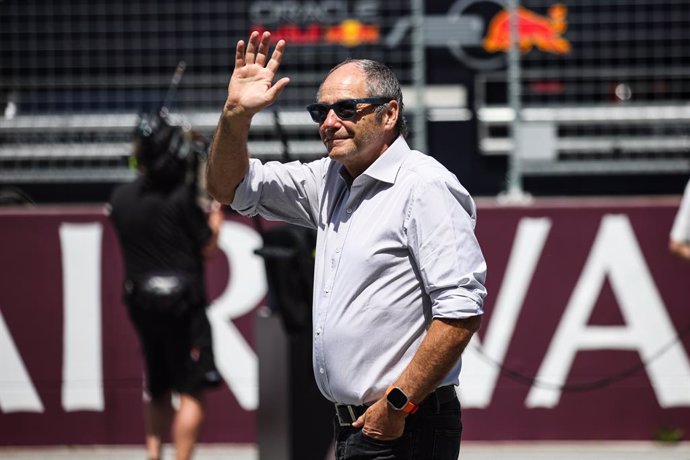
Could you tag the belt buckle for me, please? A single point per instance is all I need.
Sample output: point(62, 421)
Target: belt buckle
point(342, 409)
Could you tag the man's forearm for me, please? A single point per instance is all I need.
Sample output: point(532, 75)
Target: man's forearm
point(439, 352)
point(679, 249)
point(228, 160)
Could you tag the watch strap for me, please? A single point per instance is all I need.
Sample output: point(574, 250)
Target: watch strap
point(410, 407)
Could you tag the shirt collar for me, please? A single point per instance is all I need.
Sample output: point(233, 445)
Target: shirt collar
point(386, 167)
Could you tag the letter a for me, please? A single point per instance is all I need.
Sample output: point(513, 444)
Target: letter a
point(616, 254)
point(17, 391)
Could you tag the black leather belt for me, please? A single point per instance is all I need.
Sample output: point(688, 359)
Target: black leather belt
point(348, 413)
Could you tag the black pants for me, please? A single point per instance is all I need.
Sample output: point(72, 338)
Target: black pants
point(433, 433)
point(178, 350)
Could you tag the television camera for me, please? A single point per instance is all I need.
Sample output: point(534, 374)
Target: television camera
point(166, 147)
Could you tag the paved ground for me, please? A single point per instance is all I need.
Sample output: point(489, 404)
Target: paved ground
point(470, 451)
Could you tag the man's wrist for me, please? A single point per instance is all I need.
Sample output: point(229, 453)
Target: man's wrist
point(236, 111)
point(399, 401)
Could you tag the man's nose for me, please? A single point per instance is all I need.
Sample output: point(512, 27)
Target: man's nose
point(331, 118)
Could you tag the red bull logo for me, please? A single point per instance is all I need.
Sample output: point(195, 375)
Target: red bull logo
point(534, 30)
point(350, 33)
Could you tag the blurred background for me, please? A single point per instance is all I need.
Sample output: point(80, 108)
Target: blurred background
point(575, 143)
point(604, 83)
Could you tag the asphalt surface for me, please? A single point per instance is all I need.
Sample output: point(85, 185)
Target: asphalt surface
point(470, 451)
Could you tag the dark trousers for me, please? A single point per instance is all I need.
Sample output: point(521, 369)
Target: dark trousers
point(433, 433)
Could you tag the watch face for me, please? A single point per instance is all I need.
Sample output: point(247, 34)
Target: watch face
point(397, 398)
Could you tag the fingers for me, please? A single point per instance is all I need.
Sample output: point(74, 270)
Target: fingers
point(277, 88)
point(257, 48)
point(359, 423)
point(276, 57)
point(263, 48)
point(250, 55)
point(239, 54)
point(255, 51)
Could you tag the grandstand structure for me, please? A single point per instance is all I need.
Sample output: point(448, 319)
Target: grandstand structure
point(75, 74)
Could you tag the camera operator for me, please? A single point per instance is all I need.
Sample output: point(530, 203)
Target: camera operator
point(164, 235)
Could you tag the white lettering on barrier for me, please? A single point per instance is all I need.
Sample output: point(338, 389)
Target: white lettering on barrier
point(17, 391)
point(82, 367)
point(616, 254)
point(478, 379)
point(82, 387)
point(247, 286)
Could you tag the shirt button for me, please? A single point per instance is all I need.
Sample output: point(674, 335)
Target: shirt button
point(337, 250)
point(321, 370)
point(349, 210)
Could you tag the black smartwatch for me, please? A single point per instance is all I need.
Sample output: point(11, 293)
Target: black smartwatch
point(398, 400)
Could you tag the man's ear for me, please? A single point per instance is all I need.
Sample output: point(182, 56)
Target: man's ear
point(391, 115)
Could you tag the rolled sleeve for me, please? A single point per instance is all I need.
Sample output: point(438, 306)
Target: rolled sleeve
point(248, 191)
point(446, 250)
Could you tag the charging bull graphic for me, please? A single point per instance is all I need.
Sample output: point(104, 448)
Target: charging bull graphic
point(544, 32)
point(479, 38)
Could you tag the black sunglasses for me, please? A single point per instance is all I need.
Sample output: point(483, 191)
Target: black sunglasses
point(345, 109)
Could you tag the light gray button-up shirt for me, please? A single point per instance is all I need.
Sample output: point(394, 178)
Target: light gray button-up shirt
point(394, 250)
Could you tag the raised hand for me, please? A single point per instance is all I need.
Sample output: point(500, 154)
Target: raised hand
point(251, 86)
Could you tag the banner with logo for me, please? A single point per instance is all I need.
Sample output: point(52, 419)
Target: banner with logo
point(586, 333)
point(475, 32)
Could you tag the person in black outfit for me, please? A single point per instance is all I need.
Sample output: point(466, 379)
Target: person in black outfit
point(164, 236)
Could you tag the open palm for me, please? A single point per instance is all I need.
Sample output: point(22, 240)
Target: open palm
point(251, 86)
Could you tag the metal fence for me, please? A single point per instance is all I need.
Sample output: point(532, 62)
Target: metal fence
point(604, 84)
point(604, 88)
point(74, 74)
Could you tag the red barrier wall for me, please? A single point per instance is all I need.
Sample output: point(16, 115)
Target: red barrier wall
point(579, 291)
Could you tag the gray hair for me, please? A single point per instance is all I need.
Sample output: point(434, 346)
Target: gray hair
point(380, 82)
